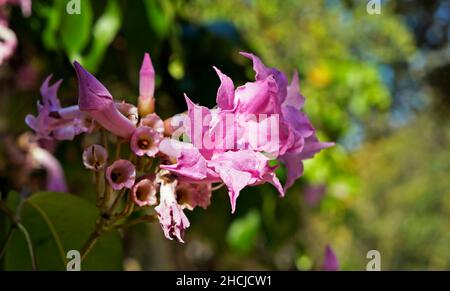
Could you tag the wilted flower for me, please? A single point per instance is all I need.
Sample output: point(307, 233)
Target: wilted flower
point(144, 192)
point(145, 141)
point(95, 157)
point(330, 261)
point(146, 101)
point(191, 195)
point(171, 216)
point(95, 99)
point(121, 174)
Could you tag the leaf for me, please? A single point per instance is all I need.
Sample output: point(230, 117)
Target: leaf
point(105, 30)
point(13, 200)
point(76, 29)
point(160, 16)
point(52, 14)
point(58, 223)
point(243, 232)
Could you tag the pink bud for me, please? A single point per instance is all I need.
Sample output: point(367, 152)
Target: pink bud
point(146, 102)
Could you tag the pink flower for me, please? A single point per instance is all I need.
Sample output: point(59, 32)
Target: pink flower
point(145, 141)
point(152, 120)
point(8, 39)
point(236, 169)
point(55, 122)
point(243, 168)
point(25, 5)
point(144, 192)
point(171, 216)
point(8, 42)
point(294, 161)
point(174, 126)
point(55, 175)
point(95, 157)
point(330, 261)
point(129, 111)
point(40, 157)
point(95, 99)
point(121, 174)
point(146, 101)
point(191, 195)
point(298, 140)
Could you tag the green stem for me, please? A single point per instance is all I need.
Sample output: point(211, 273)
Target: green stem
point(29, 244)
point(117, 201)
point(119, 148)
point(6, 242)
point(102, 226)
point(8, 212)
point(98, 187)
point(16, 224)
point(99, 229)
point(149, 164)
point(106, 196)
point(104, 137)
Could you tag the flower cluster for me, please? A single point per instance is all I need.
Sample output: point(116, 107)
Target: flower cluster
point(175, 163)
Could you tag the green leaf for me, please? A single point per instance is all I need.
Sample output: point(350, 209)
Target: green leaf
point(105, 30)
point(52, 14)
point(243, 232)
point(160, 16)
point(76, 29)
point(57, 223)
point(13, 200)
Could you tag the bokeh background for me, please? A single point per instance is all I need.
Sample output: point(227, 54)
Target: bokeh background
point(377, 84)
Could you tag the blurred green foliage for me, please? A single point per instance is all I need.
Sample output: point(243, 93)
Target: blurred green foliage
point(386, 186)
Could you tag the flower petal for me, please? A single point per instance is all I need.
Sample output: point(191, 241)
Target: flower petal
point(225, 93)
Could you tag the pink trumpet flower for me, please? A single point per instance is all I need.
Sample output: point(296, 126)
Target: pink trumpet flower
point(95, 157)
point(144, 192)
point(145, 141)
point(96, 100)
point(121, 174)
point(152, 120)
